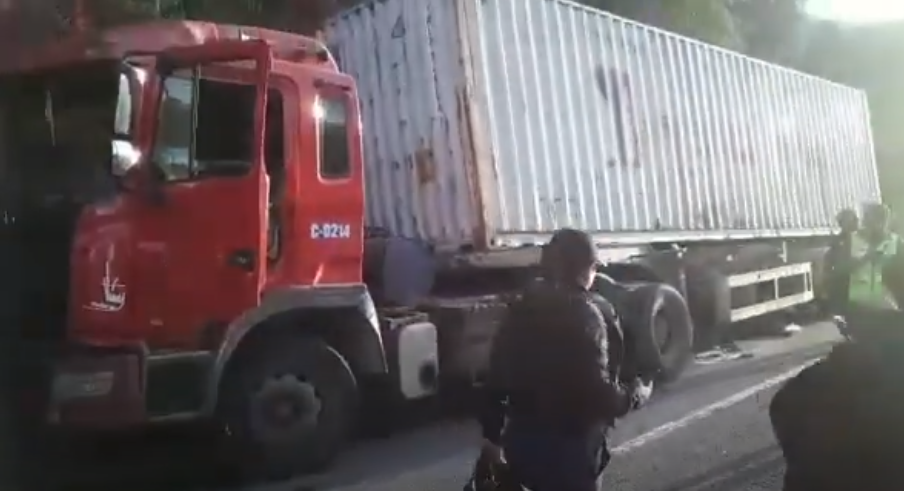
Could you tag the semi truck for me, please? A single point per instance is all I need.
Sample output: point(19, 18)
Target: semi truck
point(291, 235)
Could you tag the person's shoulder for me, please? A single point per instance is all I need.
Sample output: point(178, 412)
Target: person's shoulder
point(532, 293)
point(587, 311)
point(543, 291)
point(866, 356)
point(568, 302)
point(536, 301)
point(603, 304)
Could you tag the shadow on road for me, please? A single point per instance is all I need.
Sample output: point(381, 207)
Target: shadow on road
point(744, 367)
point(759, 470)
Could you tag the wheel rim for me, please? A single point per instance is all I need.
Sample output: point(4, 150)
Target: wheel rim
point(284, 408)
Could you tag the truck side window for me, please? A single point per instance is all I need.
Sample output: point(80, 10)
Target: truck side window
point(204, 130)
point(224, 135)
point(332, 130)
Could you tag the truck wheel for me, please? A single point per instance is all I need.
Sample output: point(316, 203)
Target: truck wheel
point(613, 291)
point(662, 329)
point(290, 407)
point(709, 300)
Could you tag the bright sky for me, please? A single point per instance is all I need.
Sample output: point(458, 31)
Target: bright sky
point(858, 11)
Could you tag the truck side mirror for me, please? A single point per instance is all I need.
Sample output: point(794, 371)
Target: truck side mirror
point(125, 155)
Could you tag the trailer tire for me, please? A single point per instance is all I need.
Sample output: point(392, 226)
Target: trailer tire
point(709, 302)
point(289, 407)
point(661, 328)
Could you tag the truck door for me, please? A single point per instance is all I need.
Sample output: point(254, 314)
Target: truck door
point(209, 181)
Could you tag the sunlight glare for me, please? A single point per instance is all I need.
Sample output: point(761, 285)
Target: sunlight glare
point(858, 11)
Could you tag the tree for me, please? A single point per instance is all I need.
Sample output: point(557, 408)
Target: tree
point(867, 57)
point(707, 20)
point(767, 29)
point(770, 29)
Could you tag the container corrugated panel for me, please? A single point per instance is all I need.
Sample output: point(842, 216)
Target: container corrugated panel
point(495, 123)
point(406, 57)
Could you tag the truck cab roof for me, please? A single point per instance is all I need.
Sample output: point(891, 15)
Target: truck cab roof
point(153, 37)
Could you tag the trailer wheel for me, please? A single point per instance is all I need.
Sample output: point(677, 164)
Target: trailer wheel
point(709, 300)
point(289, 407)
point(662, 329)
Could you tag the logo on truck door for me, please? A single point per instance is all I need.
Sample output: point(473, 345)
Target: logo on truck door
point(113, 294)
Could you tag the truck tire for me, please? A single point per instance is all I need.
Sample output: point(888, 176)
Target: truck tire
point(661, 329)
point(709, 301)
point(613, 291)
point(289, 407)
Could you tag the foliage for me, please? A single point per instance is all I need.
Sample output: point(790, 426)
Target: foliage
point(771, 29)
point(867, 57)
point(732, 23)
point(767, 29)
point(288, 15)
point(707, 20)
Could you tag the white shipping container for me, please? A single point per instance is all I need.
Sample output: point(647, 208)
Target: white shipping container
point(493, 123)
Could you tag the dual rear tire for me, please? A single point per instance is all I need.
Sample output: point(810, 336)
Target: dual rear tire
point(659, 330)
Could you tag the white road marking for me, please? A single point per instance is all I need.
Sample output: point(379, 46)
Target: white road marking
point(705, 412)
point(461, 464)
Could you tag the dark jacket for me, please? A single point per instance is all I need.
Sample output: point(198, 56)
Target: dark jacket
point(550, 364)
point(838, 275)
point(840, 422)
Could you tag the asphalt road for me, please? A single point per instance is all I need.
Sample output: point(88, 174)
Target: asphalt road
point(709, 431)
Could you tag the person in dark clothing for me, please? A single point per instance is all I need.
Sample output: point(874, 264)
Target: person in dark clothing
point(553, 386)
point(864, 276)
point(35, 241)
point(840, 422)
point(837, 279)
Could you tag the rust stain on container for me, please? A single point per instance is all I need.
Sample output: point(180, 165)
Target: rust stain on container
point(471, 171)
point(468, 121)
point(425, 165)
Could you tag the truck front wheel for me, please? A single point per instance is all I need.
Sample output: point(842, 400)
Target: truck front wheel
point(289, 406)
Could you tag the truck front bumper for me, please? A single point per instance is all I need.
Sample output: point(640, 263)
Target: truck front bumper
point(95, 391)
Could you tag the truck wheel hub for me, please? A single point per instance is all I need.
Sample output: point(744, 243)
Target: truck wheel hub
point(284, 407)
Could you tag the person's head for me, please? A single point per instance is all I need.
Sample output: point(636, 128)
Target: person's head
point(875, 218)
point(847, 220)
point(569, 258)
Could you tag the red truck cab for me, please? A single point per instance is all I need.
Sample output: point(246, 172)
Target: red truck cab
point(219, 276)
